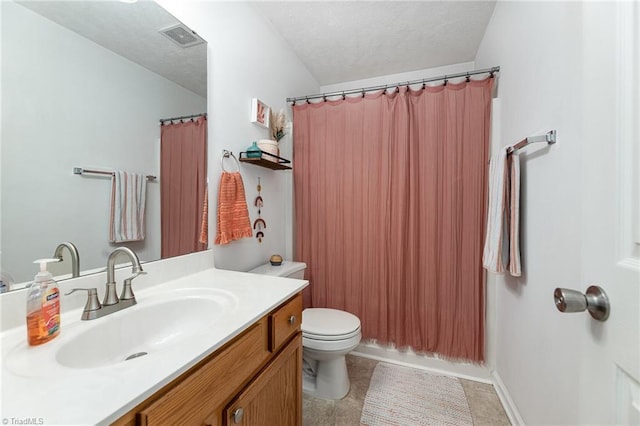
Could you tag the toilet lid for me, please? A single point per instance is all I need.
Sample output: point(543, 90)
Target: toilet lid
point(327, 324)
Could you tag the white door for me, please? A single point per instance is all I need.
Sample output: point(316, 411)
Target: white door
point(610, 357)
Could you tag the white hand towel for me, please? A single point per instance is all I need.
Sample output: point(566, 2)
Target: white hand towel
point(513, 162)
point(502, 242)
point(128, 196)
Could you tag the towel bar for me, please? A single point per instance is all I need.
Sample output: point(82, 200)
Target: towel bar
point(81, 171)
point(549, 138)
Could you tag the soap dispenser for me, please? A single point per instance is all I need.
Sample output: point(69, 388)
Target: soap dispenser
point(43, 306)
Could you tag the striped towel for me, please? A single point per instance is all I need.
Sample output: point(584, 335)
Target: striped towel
point(502, 242)
point(233, 215)
point(128, 193)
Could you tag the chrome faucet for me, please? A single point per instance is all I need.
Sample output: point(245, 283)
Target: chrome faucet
point(111, 303)
point(75, 257)
point(110, 297)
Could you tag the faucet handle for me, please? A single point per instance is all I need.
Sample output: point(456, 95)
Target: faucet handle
point(127, 291)
point(93, 304)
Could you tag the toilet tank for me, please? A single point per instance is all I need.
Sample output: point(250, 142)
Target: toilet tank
point(287, 270)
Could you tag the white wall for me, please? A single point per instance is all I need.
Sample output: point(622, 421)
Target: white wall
point(67, 102)
point(538, 47)
point(399, 77)
point(246, 60)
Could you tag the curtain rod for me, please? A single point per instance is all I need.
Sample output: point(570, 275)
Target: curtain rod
point(204, 114)
point(446, 77)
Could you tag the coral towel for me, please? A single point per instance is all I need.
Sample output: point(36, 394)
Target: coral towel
point(128, 194)
point(233, 215)
point(502, 242)
point(204, 223)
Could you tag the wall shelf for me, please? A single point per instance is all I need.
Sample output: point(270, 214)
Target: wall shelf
point(281, 163)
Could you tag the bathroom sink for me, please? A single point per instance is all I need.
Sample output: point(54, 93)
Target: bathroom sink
point(146, 328)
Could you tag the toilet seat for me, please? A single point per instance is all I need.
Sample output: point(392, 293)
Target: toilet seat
point(331, 345)
point(329, 330)
point(332, 337)
point(329, 324)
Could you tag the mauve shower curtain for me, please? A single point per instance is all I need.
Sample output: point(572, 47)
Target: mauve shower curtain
point(183, 180)
point(390, 201)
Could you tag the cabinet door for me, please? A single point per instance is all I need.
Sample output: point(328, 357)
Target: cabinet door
point(209, 386)
point(275, 395)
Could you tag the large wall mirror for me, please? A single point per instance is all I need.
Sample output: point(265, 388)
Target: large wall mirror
point(85, 84)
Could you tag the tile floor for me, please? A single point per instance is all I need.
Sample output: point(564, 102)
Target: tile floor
point(484, 404)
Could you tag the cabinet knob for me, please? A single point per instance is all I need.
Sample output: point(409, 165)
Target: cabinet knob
point(237, 415)
point(292, 319)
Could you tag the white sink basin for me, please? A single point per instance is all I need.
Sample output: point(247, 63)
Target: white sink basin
point(138, 332)
point(156, 324)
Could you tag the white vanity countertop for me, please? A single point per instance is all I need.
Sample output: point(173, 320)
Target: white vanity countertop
point(35, 386)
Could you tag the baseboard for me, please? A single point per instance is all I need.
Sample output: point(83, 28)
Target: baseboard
point(478, 373)
point(505, 398)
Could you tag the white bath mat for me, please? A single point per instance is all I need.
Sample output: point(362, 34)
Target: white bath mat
point(408, 397)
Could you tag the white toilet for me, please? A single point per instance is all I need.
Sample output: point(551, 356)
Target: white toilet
point(327, 336)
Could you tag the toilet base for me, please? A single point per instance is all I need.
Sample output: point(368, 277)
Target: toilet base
point(330, 381)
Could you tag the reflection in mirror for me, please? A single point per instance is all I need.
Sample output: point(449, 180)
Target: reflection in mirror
point(85, 84)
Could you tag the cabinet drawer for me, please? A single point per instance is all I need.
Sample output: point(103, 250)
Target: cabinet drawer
point(211, 385)
point(285, 322)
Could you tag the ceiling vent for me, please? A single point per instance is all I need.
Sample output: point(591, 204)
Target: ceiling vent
point(182, 36)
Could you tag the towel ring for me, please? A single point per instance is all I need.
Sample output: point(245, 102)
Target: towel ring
point(227, 154)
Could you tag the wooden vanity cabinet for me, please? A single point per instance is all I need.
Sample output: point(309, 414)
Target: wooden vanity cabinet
point(256, 379)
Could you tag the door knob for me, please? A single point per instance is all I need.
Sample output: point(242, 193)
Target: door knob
point(595, 301)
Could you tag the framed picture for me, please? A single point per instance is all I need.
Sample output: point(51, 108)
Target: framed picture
point(259, 113)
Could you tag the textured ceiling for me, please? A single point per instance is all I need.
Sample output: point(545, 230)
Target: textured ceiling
point(353, 40)
point(131, 31)
point(337, 41)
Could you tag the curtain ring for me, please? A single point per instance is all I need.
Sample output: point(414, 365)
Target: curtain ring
point(294, 103)
point(397, 89)
point(424, 85)
point(343, 96)
point(491, 74)
point(308, 101)
point(362, 93)
point(468, 78)
point(445, 82)
point(324, 97)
